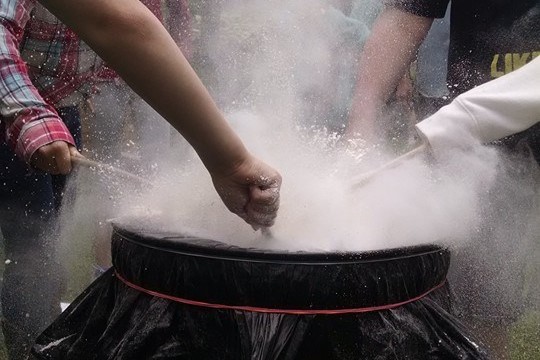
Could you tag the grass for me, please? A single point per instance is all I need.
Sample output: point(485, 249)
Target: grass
point(524, 341)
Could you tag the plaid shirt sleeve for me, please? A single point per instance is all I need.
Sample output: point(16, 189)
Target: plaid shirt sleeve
point(27, 120)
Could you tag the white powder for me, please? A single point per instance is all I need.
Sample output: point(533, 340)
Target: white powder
point(410, 204)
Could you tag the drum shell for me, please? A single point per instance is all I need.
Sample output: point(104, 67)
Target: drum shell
point(213, 272)
point(175, 296)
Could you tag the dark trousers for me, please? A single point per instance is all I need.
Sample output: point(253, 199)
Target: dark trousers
point(33, 279)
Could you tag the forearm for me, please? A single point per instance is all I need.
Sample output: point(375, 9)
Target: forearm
point(145, 55)
point(501, 107)
point(386, 56)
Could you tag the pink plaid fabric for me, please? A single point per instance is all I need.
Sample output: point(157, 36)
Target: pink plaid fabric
point(26, 117)
point(43, 62)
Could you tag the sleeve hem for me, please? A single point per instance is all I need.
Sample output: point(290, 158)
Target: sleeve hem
point(40, 133)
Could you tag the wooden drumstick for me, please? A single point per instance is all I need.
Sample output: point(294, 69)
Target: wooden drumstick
point(95, 165)
point(364, 178)
point(267, 233)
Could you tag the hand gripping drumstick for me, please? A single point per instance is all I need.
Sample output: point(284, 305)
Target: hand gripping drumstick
point(98, 166)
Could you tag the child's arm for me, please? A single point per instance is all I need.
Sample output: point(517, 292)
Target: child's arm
point(137, 46)
point(498, 108)
point(28, 121)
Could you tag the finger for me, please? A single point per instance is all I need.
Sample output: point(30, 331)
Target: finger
point(263, 206)
point(62, 156)
point(54, 158)
point(74, 152)
point(263, 210)
point(268, 182)
point(264, 200)
point(259, 220)
point(236, 201)
point(43, 159)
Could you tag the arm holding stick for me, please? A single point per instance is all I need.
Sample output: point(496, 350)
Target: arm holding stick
point(129, 37)
point(491, 111)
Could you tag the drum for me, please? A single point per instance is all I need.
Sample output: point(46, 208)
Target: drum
point(179, 296)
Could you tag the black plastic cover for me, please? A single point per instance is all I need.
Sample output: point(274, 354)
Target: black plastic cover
point(112, 320)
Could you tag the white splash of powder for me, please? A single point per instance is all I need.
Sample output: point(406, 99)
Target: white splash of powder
point(265, 73)
point(320, 211)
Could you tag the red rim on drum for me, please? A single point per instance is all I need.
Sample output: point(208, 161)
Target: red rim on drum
point(211, 272)
point(176, 296)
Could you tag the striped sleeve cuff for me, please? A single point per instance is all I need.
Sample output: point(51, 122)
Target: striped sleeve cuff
point(38, 133)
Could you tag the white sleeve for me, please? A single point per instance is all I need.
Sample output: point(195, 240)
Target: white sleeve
point(501, 107)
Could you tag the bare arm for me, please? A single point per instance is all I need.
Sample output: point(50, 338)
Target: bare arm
point(132, 40)
point(134, 43)
point(387, 54)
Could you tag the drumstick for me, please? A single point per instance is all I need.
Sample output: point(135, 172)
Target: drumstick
point(364, 178)
point(267, 233)
point(95, 165)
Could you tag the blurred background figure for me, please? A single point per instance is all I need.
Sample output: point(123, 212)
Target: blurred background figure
point(431, 90)
point(326, 87)
point(306, 49)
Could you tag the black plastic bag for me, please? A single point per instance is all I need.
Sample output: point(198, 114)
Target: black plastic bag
point(179, 297)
